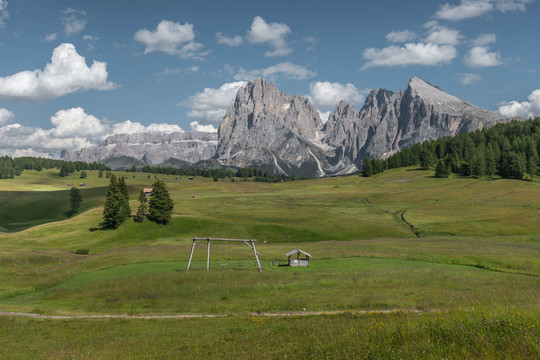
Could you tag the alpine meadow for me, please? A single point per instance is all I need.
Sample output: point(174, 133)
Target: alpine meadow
point(270, 180)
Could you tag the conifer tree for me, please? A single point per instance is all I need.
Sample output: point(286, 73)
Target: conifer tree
point(116, 209)
point(161, 204)
point(441, 171)
point(75, 200)
point(367, 167)
point(142, 211)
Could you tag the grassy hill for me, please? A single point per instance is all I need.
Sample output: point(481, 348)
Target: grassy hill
point(457, 258)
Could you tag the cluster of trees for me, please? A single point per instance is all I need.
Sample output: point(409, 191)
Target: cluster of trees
point(69, 167)
point(510, 150)
point(11, 167)
point(117, 210)
point(257, 175)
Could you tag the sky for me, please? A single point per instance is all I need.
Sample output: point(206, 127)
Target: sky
point(73, 72)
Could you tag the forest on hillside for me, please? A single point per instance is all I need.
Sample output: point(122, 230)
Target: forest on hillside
point(509, 150)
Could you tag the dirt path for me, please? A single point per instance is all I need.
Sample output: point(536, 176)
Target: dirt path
point(195, 316)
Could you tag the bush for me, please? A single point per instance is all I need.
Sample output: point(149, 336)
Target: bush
point(82, 252)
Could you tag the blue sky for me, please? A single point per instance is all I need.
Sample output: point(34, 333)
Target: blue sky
point(73, 72)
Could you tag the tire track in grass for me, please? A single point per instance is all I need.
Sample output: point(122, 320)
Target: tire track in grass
point(200, 316)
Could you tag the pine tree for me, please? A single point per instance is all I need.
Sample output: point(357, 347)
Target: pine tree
point(75, 200)
point(142, 211)
point(367, 168)
point(161, 204)
point(441, 171)
point(477, 165)
point(100, 174)
point(116, 209)
point(83, 174)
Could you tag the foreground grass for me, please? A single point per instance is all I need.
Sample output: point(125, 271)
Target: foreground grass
point(461, 335)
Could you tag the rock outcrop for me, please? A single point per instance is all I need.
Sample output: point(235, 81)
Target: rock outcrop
point(389, 122)
point(152, 148)
point(266, 128)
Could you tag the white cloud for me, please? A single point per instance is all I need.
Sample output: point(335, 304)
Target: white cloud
point(50, 37)
point(73, 129)
point(272, 33)
point(484, 39)
point(324, 115)
point(409, 54)
point(327, 94)
point(286, 69)
point(129, 127)
point(67, 73)
point(479, 56)
point(473, 8)
point(231, 41)
point(73, 122)
point(525, 109)
point(441, 35)
point(4, 14)
point(74, 21)
point(401, 36)
point(6, 116)
point(210, 105)
point(172, 38)
point(195, 126)
point(468, 78)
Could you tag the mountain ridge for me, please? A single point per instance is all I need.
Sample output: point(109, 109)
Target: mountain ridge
point(267, 128)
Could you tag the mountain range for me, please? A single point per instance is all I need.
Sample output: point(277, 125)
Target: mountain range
point(284, 134)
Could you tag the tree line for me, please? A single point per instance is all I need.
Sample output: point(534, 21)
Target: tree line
point(258, 175)
point(509, 150)
point(11, 167)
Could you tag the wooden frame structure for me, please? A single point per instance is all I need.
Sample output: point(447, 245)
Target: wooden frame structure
point(196, 241)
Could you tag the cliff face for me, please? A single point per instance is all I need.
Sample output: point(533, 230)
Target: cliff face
point(266, 128)
point(151, 148)
point(389, 122)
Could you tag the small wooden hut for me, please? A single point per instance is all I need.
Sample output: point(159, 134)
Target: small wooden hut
point(299, 261)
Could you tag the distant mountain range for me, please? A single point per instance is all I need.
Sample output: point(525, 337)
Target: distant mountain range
point(268, 129)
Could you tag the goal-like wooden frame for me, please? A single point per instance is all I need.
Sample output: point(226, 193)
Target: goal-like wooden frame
point(196, 241)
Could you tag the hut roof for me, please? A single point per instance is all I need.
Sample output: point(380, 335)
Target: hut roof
point(291, 253)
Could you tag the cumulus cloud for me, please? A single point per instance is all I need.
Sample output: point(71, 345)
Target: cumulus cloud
point(479, 56)
point(442, 35)
point(74, 21)
point(324, 115)
point(210, 105)
point(4, 14)
point(285, 69)
point(473, 8)
point(409, 54)
point(231, 41)
point(6, 116)
point(73, 122)
point(72, 129)
point(67, 73)
point(468, 78)
point(484, 39)
point(271, 33)
point(195, 126)
point(129, 127)
point(400, 36)
point(327, 94)
point(171, 38)
point(525, 109)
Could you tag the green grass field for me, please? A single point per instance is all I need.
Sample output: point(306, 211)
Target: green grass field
point(456, 261)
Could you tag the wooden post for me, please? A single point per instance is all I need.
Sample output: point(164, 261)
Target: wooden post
point(256, 256)
point(208, 258)
point(195, 242)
